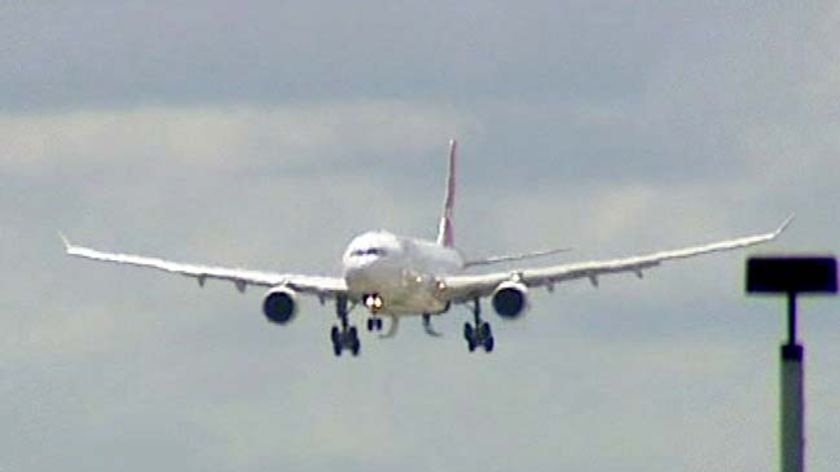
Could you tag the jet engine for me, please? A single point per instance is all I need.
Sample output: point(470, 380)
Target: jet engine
point(280, 305)
point(510, 300)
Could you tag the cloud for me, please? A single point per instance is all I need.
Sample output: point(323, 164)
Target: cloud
point(218, 141)
point(100, 54)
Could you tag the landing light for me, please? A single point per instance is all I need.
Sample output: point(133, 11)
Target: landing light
point(373, 302)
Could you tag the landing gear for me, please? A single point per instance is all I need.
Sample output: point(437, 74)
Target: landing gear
point(374, 324)
point(355, 345)
point(478, 334)
point(344, 336)
point(427, 326)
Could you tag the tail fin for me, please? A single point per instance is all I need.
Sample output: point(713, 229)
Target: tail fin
point(445, 236)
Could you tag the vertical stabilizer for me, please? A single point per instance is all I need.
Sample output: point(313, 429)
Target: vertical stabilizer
point(445, 236)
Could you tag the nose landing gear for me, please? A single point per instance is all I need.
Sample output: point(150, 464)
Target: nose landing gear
point(374, 303)
point(374, 324)
point(480, 334)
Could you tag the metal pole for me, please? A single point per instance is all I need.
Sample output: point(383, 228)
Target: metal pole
point(792, 398)
point(792, 275)
point(791, 318)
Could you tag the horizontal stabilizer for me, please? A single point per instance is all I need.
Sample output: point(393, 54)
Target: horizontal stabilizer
point(513, 257)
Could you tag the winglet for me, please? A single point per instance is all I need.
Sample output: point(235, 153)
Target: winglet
point(784, 225)
point(64, 240)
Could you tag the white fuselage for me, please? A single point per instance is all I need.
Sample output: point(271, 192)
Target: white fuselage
point(401, 271)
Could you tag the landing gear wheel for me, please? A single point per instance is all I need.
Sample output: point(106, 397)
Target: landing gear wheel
point(335, 337)
point(353, 340)
point(374, 324)
point(480, 333)
point(484, 331)
point(343, 335)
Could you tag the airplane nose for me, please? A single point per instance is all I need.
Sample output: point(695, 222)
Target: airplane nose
point(369, 276)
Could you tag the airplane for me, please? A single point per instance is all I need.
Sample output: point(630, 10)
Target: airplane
point(394, 276)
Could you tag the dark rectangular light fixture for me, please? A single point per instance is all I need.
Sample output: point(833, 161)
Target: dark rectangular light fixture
point(792, 274)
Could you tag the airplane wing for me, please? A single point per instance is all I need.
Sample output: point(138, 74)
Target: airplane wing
point(463, 288)
point(323, 287)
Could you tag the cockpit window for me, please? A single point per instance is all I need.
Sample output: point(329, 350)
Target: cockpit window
point(374, 251)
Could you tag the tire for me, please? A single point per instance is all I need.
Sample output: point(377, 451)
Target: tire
point(334, 335)
point(337, 349)
point(355, 347)
point(471, 345)
point(488, 344)
point(354, 335)
point(371, 324)
point(485, 331)
point(468, 332)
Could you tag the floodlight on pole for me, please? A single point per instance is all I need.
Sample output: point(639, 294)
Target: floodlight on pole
point(792, 275)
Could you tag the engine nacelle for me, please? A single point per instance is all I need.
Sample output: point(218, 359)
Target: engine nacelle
point(510, 300)
point(280, 305)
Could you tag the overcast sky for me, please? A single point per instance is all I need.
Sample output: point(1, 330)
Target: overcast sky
point(268, 134)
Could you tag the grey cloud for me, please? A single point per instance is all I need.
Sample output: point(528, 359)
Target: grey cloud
point(104, 54)
point(225, 141)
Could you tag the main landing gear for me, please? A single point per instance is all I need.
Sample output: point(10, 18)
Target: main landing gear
point(344, 336)
point(480, 333)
